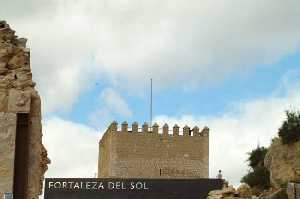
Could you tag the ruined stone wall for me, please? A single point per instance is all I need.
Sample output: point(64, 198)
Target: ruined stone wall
point(18, 95)
point(7, 151)
point(146, 153)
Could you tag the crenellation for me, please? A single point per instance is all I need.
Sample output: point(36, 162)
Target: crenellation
point(113, 126)
point(165, 130)
point(145, 127)
point(155, 128)
point(124, 127)
point(176, 130)
point(146, 152)
point(205, 132)
point(196, 131)
point(186, 131)
point(135, 127)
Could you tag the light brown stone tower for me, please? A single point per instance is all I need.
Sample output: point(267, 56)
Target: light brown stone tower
point(146, 153)
point(23, 158)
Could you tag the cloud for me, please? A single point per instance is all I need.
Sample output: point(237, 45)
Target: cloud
point(72, 148)
point(241, 129)
point(115, 102)
point(176, 42)
point(111, 105)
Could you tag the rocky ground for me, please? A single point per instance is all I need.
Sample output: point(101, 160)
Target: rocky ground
point(283, 162)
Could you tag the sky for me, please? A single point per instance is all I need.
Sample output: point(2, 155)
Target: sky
point(232, 65)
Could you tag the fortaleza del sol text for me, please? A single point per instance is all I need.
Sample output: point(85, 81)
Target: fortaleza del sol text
point(94, 185)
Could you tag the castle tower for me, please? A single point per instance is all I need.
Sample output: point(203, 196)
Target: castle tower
point(154, 152)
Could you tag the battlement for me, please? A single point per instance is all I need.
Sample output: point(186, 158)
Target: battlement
point(155, 129)
point(153, 152)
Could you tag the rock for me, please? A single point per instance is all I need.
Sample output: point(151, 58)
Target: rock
point(283, 162)
point(264, 194)
point(244, 191)
point(225, 193)
point(3, 69)
point(18, 60)
point(278, 194)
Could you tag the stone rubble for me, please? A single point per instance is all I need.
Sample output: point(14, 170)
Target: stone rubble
point(230, 192)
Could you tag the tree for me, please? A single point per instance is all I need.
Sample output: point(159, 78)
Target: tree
point(257, 156)
point(289, 132)
point(258, 176)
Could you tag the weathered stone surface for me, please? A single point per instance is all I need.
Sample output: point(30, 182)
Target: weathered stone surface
point(225, 193)
point(244, 191)
point(283, 162)
point(19, 59)
point(17, 95)
point(19, 101)
point(137, 154)
point(3, 100)
point(7, 151)
point(293, 191)
point(39, 162)
point(278, 194)
point(228, 192)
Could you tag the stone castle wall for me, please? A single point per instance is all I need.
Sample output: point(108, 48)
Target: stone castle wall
point(146, 153)
point(18, 95)
point(8, 123)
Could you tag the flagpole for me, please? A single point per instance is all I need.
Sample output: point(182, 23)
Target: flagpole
point(151, 103)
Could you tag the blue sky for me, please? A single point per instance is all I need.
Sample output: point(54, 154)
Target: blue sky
point(208, 100)
point(233, 66)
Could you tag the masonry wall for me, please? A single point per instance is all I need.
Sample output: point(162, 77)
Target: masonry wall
point(104, 160)
point(148, 154)
point(18, 95)
point(7, 148)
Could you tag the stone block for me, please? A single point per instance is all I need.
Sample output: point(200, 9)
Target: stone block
point(3, 100)
point(19, 101)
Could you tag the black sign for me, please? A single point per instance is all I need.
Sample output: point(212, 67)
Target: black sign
point(106, 188)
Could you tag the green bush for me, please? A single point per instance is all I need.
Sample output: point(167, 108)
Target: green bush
point(259, 178)
point(289, 132)
point(257, 156)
